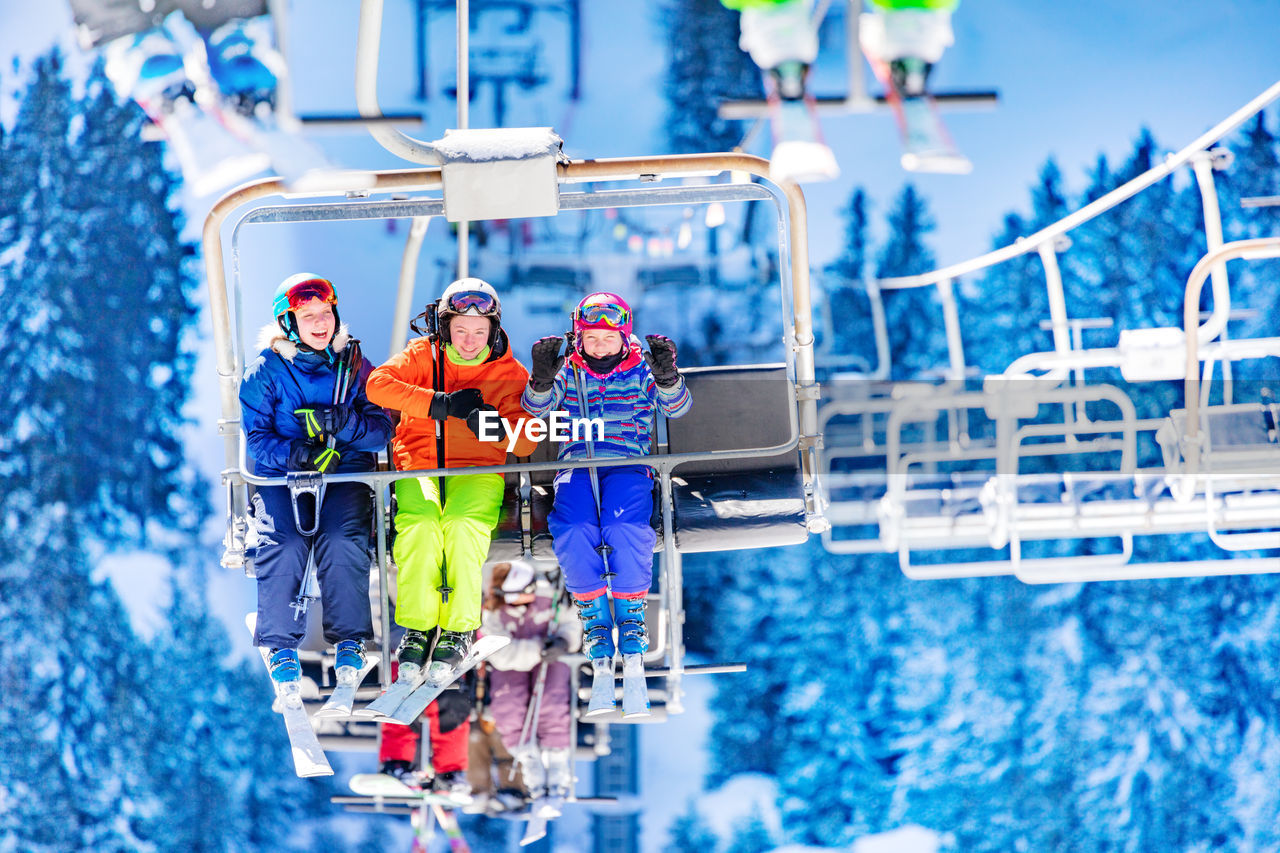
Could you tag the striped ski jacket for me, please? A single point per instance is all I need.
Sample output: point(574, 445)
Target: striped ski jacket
point(624, 400)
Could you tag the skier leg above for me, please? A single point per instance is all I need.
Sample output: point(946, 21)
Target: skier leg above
point(600, 522)
point(444, 385)
point(781, 37)
point(243, 64)
point(304, 409)
point(910, 35)
point(531, 696)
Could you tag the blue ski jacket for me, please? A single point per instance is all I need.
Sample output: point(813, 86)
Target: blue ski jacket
point(285, 377)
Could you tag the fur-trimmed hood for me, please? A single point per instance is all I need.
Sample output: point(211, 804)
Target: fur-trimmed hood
point(272, 337)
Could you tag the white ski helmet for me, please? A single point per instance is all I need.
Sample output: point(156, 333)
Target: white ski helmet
point(472, 296)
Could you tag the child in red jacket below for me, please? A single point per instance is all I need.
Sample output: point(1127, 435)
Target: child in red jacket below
point(449, 727)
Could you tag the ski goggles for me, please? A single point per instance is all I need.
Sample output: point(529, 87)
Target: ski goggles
point(472, 302)
point(315, 288)
point(604, 313)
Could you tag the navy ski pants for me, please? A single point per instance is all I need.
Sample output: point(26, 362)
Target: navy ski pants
point(341, 546)
point(626, 504)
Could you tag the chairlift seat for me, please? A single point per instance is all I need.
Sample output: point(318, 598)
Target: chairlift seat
point(737, 503)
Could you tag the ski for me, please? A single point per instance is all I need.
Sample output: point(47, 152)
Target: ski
point(603, 700)
point(449, 823)
point(308, 757)
point(418, 701)
point(534, 830)
point(926, 145)
point(635, 690)
point(343, 697)
point(394, 695)
point(381, 785)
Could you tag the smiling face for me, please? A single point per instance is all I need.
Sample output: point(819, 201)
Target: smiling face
point(600, 343)
point(469, 334)
point(315, 323)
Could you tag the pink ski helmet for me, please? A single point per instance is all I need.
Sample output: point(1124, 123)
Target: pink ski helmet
point(603, 311)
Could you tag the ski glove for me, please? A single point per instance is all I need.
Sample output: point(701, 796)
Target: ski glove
point(455, 404)
point(307, 454)
point(324, 420)
point(495, 425)
point(662, 360)
point(547, 362)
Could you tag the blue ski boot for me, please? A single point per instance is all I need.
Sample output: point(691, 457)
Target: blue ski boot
point(349, 661)
point(597, 642)
point(285, 668)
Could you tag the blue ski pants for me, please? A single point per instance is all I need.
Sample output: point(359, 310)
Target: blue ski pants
point(626, 503)
point(341, 549)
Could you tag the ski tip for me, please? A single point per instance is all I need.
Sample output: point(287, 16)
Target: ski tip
point(944, 163)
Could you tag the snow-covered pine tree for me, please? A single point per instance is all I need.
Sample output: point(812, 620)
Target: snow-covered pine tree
point(845, 279)
point(1255, 173)
point(690, 832)
point(132, 295)
point(750, 835)
point(914, 316)
point(705, 68)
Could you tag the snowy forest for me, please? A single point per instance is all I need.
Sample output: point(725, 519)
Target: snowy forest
point(1129, 716)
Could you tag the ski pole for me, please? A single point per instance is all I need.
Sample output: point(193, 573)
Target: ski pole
point(602, 549)
point(437, 369)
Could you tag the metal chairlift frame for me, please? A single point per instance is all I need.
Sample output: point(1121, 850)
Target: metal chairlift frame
point(1204, 342)
point(358, 201)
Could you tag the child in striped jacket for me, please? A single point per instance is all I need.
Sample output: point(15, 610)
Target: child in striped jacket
point(605, 515)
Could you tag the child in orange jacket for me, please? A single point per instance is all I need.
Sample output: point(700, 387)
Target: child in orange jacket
point(448, 388)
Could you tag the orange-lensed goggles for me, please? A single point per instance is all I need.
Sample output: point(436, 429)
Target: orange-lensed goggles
point(305, 291)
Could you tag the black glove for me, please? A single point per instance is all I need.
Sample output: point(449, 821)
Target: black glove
point(473, 423)
point(556, 648)
point(322, 420)
point(455, 404)
point(547, 362)
point(662, 360)
point(303, 453)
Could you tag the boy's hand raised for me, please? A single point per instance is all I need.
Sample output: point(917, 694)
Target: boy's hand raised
point(547, 362)
point(662, 360)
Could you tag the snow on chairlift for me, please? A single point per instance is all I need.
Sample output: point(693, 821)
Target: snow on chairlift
point(740, 468)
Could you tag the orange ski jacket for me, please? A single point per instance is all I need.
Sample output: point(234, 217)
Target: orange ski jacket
point(406, 383)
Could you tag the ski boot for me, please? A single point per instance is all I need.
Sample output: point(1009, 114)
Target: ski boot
point(597, 642)
point(236, 57)
point(454, 785)
point(286, 676)
point(910, 76)
point(788, 80)
point(412, 655)
point(403, 772)
point(285, 668)
point(633, 642)
point(559, 782)
point(451, 650)
point(349, 661)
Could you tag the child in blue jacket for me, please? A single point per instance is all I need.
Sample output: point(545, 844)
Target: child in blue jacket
point(623, 388)
point(288, 415)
